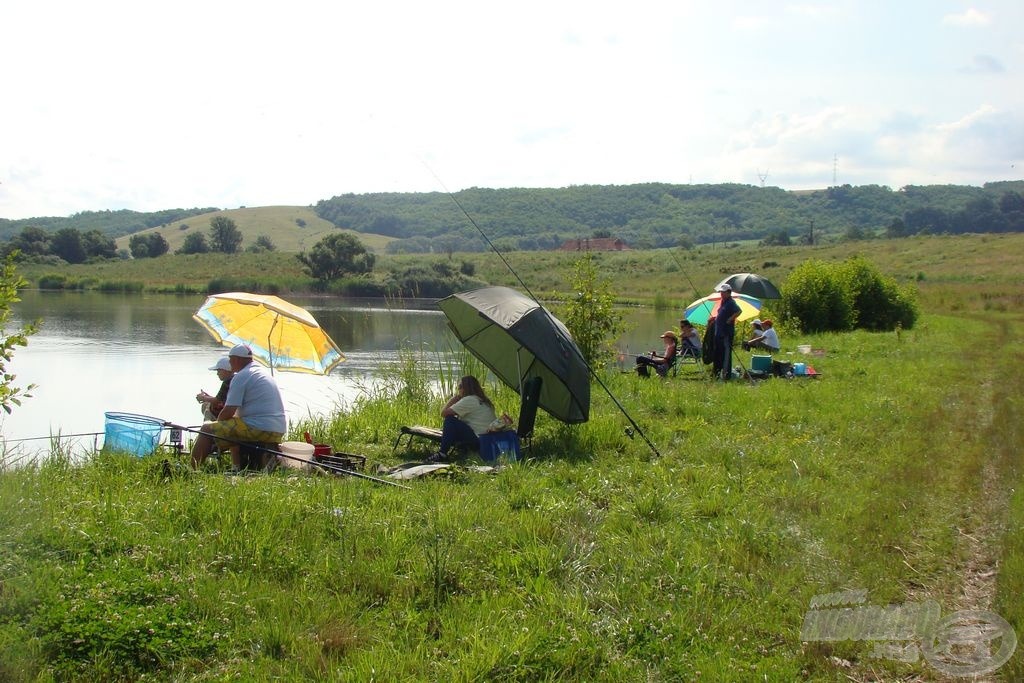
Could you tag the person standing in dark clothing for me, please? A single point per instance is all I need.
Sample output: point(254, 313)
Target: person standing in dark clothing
point(725, 332)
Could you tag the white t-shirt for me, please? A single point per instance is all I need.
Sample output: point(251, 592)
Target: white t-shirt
point(474, 412)
point(254, 392)
point(771, 339)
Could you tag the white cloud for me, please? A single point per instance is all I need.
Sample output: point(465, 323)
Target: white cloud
point(969, 17)
point(148, 107)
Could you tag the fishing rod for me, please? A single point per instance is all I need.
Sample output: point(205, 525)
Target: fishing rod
point(329, 467)
point(52, 436)
point(508, 265)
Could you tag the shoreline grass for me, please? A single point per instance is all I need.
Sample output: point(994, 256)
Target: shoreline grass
point(594, 560)
point(898, 473)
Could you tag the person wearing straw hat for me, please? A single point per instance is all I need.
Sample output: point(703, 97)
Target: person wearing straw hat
point(253, 410)
point(212, 405)
point(661, 363)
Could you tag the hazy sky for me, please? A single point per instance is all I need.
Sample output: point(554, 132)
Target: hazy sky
point(149, 106)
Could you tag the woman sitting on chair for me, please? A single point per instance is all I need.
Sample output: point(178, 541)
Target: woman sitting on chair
point(661, 363)
point(467, 414)
point(689, 343)
point(764, 337)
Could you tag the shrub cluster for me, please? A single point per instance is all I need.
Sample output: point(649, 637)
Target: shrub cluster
point(835, 297)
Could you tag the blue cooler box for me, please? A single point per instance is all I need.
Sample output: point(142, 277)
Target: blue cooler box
point(761, 363)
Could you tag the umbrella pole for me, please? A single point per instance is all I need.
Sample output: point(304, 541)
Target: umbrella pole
point(270, 346)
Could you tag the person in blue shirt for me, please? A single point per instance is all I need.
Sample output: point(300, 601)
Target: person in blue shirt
point(725, 332)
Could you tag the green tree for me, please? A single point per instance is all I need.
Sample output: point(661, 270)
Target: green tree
point(195, 243)
point(10, 282)
point(67, 244)
point(590, 314)
point(336, 255)
point(264, 243)
point(225, 236)
point(32, 241)
point(98, 245)
point(779, 238)
point(148, 245)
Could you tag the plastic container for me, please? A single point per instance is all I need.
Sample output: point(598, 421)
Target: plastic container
point(300, 454)
point(761, 363)
point(799, 368)
point(130, 433)
point(804, 348)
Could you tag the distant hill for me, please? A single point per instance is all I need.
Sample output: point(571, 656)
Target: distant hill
point(649, 215)
point(290, 228)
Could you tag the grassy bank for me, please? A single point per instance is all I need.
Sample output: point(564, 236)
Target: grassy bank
point(952, 273)
point(897, 473)
point(593, 560)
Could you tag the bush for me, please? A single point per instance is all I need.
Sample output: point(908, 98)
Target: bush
point(878, 302)
point(824, 297)
point(815, 299)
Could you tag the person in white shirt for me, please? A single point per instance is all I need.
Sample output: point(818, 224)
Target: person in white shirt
point(467, 415)
point(764, 337)
point(253, 410)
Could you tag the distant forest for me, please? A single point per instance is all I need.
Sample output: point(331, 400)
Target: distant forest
point(655, 215)
point(650, 215)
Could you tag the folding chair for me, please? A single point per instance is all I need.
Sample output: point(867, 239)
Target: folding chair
point(524, 429)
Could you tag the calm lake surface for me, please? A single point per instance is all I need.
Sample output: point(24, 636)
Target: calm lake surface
point(144, 354)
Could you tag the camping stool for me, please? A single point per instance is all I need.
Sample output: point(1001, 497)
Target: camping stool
point(258, 455)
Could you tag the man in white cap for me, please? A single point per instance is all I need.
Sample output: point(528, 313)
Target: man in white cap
point(253, 410)
point(725, 332)
point(212, 405)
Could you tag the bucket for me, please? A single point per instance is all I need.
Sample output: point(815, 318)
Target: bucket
point(799, 368)
point(135, 434)
point(297, 449)
point(804, 348)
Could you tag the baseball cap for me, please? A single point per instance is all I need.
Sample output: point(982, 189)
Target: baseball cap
point(725, 287)
point(222, 364)
point(240, 351)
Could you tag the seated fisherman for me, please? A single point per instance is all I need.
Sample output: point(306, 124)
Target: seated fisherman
point(467, 415)
point(661, 363)
point(689, 339)
point(253, 410)
point(212, 405)
point(764, 337)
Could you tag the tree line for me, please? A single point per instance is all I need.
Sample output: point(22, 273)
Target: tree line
point(69, 245)
point(645, 216)
point(658, 215)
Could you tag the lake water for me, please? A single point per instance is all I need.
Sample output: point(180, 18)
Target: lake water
point(144, 354)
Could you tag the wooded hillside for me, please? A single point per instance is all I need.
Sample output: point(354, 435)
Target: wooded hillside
point(650, 215)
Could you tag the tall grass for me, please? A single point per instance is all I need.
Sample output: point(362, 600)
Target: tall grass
point(594, 559)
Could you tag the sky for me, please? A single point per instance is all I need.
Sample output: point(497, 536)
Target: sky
point(160, 105)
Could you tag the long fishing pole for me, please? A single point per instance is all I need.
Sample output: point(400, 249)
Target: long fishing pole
point(508, 265)
point(329, 467)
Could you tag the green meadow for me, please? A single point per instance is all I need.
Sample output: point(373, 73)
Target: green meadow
point(596, 558)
